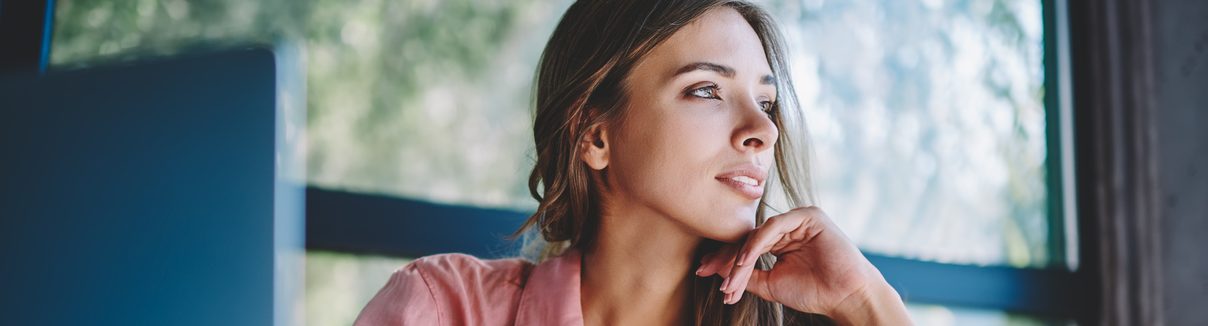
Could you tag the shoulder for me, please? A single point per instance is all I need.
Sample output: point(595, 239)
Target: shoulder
point(462, 268)
point(466, 279)
point(448, 289)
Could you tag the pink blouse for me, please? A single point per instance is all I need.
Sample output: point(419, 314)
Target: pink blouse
point(458, 289)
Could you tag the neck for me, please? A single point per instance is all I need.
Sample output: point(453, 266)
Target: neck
point(638, 271)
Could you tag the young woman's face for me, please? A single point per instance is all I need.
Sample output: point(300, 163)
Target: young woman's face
point(695, 141)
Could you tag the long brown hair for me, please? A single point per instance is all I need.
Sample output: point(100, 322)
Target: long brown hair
point(579, 85)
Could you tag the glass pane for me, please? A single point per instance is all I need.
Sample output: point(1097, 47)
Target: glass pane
point(339, 285)
point(927, 115)
point(423, 99)
point(928, 123)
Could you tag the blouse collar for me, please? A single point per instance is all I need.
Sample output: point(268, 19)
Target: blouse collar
point(551, 294)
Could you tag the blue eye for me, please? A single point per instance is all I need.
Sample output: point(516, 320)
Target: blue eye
point(709, 92)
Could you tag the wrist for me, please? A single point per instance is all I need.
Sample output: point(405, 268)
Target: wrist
point(875, 304)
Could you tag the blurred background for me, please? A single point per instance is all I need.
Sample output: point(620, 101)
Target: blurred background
point(940, 130)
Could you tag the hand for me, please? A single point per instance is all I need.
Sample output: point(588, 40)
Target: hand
point(817, 270)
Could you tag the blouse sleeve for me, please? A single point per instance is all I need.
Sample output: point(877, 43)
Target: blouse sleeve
point(406, 299)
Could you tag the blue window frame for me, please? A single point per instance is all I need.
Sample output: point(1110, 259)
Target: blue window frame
point(365, 223)
point(377, 224)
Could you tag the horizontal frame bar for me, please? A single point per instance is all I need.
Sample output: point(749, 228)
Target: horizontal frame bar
point(1049, 293)
point(392, 226)
point(384, 225)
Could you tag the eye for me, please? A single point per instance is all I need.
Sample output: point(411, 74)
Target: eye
point(707, 92)
point(768, 107)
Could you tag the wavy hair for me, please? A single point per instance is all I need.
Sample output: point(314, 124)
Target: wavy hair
point(580, 84)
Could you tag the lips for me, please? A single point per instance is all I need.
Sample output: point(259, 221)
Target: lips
point(746, 180)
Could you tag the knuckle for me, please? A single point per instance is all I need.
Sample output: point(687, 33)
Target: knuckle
point(811, 213)
point(808, 210)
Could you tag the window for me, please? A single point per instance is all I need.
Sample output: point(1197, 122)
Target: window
point(933, 121)
point(928, 120)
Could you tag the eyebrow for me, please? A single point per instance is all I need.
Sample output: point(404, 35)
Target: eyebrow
point(726, 71)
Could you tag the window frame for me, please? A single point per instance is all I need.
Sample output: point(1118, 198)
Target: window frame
point(361, 223)
point(353, 223)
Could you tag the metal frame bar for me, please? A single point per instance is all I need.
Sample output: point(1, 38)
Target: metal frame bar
point(392, 226)
point(1059, 158)
point(384, 225)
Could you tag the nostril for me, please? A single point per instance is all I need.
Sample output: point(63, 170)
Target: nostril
point(752, 142)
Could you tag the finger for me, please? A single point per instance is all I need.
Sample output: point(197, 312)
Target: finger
point(733, 270)
point(718, 262)
point(759, 242)
point(706, 268)
point(739, 283)
point(739, 280)
point(732, 283)
point(768, 234)
point(797, 227)
point(738, 271)
point(738, 275)
point(710, 267)
point(784, 242)
point(744, 281)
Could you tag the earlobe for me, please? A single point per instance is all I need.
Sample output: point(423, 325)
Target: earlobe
point(594, 148)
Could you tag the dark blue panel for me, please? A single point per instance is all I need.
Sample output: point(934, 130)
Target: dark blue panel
point(1046, 292)
point(140, 194)
point(362, 223)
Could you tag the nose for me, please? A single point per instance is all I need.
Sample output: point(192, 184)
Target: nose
point(755, 131)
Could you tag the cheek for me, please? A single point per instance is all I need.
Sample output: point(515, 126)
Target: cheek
point(668, 148)
point(670, 166)
point(659, 158)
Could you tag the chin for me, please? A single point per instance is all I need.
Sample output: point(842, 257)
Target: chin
point(732, 230)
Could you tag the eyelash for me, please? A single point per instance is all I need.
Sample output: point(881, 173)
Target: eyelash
point(696, 92)
point(765, 106)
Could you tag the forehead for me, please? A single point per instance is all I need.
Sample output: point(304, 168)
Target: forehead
point(721, 36)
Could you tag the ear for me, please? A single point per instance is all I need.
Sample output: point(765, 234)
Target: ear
point(594, 147)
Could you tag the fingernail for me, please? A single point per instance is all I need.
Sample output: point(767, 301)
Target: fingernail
point(742, 259)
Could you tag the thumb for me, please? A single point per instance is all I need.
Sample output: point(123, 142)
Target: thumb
point(758, 284)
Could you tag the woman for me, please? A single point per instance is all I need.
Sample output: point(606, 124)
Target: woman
point(657, 127)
